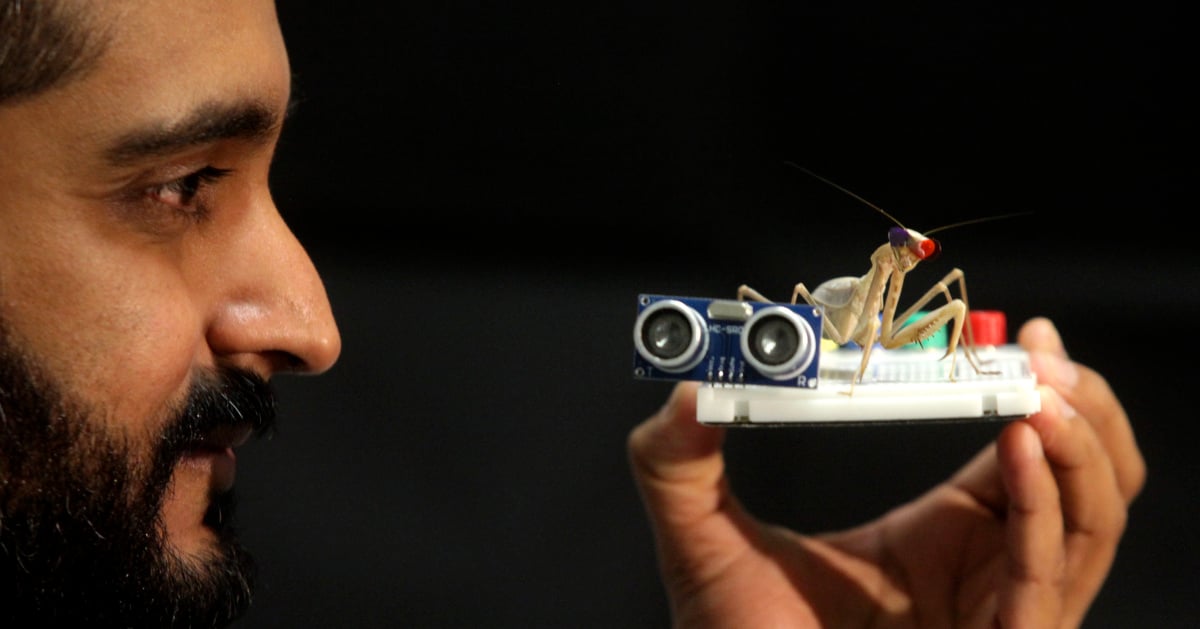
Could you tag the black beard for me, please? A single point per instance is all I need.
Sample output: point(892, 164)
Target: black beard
point(81, 536)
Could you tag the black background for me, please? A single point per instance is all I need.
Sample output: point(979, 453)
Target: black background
point(486, 188)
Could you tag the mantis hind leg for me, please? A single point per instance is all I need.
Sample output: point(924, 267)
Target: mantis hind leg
point(745, 292)
point(842, 336)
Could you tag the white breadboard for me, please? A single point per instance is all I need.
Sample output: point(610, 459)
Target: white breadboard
point(903, 385)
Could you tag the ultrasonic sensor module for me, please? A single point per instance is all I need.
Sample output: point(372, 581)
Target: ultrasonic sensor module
point(726, 342)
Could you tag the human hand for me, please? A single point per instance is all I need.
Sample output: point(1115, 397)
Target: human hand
point(1023, 535)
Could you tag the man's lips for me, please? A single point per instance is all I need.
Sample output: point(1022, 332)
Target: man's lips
point(221, 465)
point(215, 452)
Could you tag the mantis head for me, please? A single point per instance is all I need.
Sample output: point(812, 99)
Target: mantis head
point(921, 247)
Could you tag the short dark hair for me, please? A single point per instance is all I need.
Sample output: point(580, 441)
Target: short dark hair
point(44, 44)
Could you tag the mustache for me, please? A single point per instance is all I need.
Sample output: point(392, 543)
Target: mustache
point(222, 398)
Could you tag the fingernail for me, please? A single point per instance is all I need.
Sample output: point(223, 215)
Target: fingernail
point(1055, 368)
point(1066, 410)
point(1053, 331)
point(1033, 446)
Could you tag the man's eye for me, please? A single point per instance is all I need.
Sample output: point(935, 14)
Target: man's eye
point(181, 193)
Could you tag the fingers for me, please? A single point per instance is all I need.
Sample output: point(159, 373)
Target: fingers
point(1094, 510)
point(1030, 593)
point(1090, 395)
point(1039, 334)
point(677, 461)
point(1086, 392)
point(1067, 498)
point(699, 526)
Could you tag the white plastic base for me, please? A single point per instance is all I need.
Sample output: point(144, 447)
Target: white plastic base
point(902, 385)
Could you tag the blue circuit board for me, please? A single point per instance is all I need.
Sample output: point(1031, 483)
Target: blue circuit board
point(726, 341)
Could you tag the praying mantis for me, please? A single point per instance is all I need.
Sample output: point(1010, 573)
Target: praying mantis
point(852, 305)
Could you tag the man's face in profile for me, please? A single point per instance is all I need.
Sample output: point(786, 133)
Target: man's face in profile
point(149, 290)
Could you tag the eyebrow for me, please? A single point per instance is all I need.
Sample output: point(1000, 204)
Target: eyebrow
point(211, 122)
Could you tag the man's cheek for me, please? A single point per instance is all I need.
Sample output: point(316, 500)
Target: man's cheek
point(137, 362)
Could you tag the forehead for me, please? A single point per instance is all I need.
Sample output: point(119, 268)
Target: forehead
point(162, 60)
point(152, 34)
point(232, 46)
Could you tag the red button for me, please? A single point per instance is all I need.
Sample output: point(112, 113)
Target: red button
point(989, 327)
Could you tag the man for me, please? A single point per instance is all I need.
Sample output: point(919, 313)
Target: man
point(148, 290)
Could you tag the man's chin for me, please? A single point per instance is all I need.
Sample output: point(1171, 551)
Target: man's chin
point(143, 581)
point(207, 574)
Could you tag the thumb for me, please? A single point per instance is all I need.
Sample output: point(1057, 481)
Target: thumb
point(676, 460)
point(672, 436)
point(680, 472)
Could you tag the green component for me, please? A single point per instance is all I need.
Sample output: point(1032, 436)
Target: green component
point(939, 340)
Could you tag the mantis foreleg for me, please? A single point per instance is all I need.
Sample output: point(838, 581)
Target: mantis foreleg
point(921, 329)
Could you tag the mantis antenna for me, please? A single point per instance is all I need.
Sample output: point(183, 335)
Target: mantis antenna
point(893, 218)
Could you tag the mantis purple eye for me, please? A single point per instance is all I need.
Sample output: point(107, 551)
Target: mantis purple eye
point(898, 237)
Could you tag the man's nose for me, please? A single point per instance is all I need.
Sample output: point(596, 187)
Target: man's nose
point(271, 310)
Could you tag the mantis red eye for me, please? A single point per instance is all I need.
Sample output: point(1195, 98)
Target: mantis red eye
point(927, 249)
